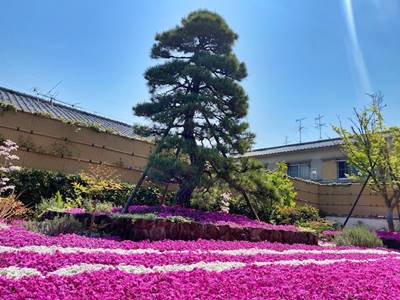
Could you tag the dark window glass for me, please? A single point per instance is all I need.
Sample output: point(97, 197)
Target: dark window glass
point(342, 169)
point(299, 170)
point(293, 170)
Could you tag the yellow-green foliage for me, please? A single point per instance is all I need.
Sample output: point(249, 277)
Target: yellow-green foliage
point(374, 148)
point(97, 179)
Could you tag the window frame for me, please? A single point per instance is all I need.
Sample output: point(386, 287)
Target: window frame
point(298, 165)
point(347, 170)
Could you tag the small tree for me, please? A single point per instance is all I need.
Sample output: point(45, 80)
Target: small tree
point(197, 106)
point(374, 149)
point(97, 179)
point(267, 190)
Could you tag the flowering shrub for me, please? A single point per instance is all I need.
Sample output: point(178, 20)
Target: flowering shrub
point(218, 218)
point(10, 207)
point(6, 165)
point(34, 266)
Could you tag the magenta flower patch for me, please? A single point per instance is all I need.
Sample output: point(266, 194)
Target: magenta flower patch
point(204, 217)
point(33, 266)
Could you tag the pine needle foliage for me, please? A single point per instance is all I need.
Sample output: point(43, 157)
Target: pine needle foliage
point(197, 106)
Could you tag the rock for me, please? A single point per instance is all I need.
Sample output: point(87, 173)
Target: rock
point(160, 229)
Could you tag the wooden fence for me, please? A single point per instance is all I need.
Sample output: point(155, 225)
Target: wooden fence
point(337, 199)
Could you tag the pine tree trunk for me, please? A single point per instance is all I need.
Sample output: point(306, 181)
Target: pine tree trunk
point(398, 212)
point(183, 196)
point(389, 218)
point(164, 194)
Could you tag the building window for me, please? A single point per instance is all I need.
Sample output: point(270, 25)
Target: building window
point(299, 170)
point(343, 169)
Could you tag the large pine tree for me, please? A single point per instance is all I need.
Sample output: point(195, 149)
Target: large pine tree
point(197, 105)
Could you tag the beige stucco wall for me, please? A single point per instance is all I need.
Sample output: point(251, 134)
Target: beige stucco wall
point(53, 145)
point(337, 199)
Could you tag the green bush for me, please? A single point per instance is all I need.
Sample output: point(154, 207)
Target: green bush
point(267, 190)
point(54, 203)
point(358, 236)
point(33, 185)
point(56, 226)
point(318, 225)
point(104, 207)
point(296, 215)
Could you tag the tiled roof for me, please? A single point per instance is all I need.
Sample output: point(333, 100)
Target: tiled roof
point(295, 147)
point(33, 104)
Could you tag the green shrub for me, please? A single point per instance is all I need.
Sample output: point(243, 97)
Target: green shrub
point(56, 226)
point(104, 207)
point(318, 225)
point(33, 185)
point(358, 236)
point(296, 215)
point(54, 203)
point(267, 190)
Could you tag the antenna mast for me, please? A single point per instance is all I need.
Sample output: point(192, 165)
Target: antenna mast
point(300, 128)
point(319, 125)
point(286, 140)
point(51, 94)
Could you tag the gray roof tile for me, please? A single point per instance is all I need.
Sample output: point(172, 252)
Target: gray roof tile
point(294, 147)
point(33, 104)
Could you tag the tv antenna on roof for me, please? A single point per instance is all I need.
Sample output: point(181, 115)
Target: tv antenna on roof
point(54, 94)
point(319, 124)
point(300, 128)
point(50, 95)
point(286, 140)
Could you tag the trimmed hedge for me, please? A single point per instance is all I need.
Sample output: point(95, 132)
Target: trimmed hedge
point(32, 185)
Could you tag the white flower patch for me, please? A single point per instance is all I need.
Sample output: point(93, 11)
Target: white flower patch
point(76, 269)
point(134, 269)
point(16, 272)
point(3, 226)
point(216, 266)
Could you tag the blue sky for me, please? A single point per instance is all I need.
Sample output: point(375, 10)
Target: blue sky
point(304, 58)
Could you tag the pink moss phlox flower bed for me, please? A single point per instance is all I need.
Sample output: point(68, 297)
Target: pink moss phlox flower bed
point(389, 235)
point(205, 217)
point(34, 266)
